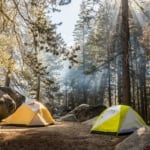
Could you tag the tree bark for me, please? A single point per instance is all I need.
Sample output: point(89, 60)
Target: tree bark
point(38, 88)
point(125, 50)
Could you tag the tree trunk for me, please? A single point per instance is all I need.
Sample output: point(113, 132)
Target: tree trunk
point(125, 50)
point(143, 88)
point(38, 88)
point(109, 85)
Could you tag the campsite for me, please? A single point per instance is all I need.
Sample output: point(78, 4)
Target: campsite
point(27, 130)
point(69, 136)
point(74, 74)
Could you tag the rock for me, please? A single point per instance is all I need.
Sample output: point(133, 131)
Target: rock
point(80, 108)
point(85, 112)
point(96, 110)
point(89, 122)
point(68, 117)
point(16, 96)
point(10, 100)
point(139, 140)
point(7, 106)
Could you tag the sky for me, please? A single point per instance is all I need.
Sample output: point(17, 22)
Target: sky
point(68, 16)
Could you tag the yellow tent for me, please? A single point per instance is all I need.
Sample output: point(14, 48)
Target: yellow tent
point(31, 114)
point(118, 119)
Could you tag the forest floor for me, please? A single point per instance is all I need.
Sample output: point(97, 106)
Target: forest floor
point(61, 136)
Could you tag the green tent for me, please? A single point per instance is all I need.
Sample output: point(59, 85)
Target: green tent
point(118, 119)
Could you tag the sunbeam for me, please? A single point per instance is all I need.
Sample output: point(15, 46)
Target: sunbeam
point(140, 11)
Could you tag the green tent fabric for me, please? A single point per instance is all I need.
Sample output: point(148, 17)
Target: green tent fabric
point(118, 119)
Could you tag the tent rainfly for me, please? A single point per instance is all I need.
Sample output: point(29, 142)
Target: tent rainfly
point(30, 114)
point(118, 119)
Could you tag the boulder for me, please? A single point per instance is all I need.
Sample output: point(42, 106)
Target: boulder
point(16, 96)
point(7, 106)
point(139, 140)
point(10, 100)
point(85, 112)
point(68, 117)
point(89, 122)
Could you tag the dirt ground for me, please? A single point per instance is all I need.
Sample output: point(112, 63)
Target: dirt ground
point(61, 136)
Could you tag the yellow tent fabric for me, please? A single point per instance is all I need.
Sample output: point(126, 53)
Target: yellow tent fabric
point(118, 119)
point(31, 114)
